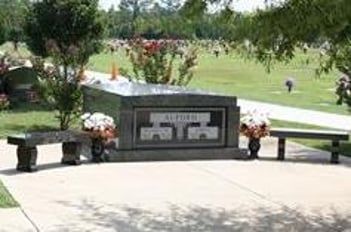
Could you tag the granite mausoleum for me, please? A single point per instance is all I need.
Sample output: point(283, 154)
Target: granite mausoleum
point(158, 122)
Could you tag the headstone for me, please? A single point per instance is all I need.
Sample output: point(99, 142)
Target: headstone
point(159, 122)
point(289, 83)
point(20, 82)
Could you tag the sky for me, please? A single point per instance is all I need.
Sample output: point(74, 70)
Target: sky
point(239, 5)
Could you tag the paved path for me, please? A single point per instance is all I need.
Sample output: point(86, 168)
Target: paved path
point(304, 193)
point(14, 219)
point(334, 121)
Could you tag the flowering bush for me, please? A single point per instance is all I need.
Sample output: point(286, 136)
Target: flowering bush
point(4, 102)
point(254, 125)
point(153, 61)
point(99, 125)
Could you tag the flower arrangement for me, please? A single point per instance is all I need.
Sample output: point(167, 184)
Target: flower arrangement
point(99, 125)
point(255, 125)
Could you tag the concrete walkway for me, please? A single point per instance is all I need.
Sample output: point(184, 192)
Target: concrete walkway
point(334, 121)
point(303, 193)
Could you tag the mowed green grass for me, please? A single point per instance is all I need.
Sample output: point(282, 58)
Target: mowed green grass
point(6, 200)
point(234, 75)
point(247, 79)
point(26, 117)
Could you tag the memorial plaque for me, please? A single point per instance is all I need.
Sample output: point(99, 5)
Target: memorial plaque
point(179, 127)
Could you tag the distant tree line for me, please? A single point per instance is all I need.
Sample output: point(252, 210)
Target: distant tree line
point(271, 34)
point(170, 19)
point(12, 19)
point(139, 18)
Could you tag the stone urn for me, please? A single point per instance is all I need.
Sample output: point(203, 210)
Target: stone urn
point(254, 147)
point(97, 149)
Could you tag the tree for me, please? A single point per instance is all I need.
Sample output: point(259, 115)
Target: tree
point(12, 19)
point(67, 22)
point(170, 19)
point(131, 10)
point(279, 29)
point(69, 31)
point(2, 33)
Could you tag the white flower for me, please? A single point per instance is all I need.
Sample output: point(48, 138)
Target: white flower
point(97, 121)
point(88, 125)
point(85, 116)
point(255, 119)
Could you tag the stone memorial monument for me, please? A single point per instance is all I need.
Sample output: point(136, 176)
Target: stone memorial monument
point(160, 122)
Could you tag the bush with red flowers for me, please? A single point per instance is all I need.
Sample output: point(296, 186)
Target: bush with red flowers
point(153, 62)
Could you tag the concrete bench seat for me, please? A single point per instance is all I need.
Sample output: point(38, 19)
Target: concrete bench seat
point(27, 147)
point(334, 136)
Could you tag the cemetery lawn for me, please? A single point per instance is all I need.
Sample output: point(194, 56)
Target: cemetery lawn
point(231, 75)
point(247, 79)
point(6, 200)
point(25, 118)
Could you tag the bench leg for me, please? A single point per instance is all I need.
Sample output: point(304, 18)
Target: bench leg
point(27, 159)
point(334, 159)
point(281, 148)
point(71, 153)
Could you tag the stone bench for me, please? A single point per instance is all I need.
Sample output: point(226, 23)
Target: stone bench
point(334, 136)
point(27, 147)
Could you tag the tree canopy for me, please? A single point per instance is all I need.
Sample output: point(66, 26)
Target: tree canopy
point(12, 19)
point(69, 31)
point(69, 24)
point(277, 31)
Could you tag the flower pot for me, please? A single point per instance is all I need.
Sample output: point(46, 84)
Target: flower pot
point(254, 147)
point(97, 150)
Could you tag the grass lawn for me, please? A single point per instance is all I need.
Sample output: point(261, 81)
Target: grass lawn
point(246, 79)
point(233, 75)
point(6, 200)
point(26, 117)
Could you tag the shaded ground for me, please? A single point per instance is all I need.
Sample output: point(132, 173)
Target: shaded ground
point(304, 193)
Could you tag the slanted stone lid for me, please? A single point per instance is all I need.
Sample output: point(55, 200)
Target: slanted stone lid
point(127, 88)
